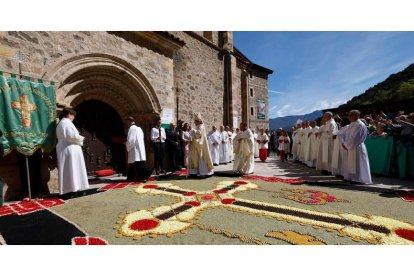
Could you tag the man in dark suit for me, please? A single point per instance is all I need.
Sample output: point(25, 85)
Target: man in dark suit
point(173, 147)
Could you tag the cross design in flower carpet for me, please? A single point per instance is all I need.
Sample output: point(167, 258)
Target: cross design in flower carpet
point(170, 219)
point(313, 197)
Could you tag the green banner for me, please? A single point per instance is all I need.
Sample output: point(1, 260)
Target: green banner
point(27, 115)
point(380, 153)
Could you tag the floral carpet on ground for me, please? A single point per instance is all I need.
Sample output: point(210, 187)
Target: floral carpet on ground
point(218, 210)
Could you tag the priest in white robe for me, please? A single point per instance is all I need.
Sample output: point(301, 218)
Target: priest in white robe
point(135, 147)
point(306, 144)
point(244, 151)
point(328, 132)
point(71, 164)
point(314, 143)
point(358, 163)
point(296, 139)
point(231, 138)
point(339, 168)
point(224, 146)
point(199, 159)
point(215, 141)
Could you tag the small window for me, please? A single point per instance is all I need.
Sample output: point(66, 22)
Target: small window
point(252, 111)
point(208, 35)
point(251, 75)
point(251, 92)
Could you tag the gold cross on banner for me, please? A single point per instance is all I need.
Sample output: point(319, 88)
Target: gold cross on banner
point(26, 109)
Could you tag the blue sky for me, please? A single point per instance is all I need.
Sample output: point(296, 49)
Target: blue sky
point(318, 70)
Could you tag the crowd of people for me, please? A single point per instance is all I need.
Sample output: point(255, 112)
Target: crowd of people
point(335, 147)
point(182, 145)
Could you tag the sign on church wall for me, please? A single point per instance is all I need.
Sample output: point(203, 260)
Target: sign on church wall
point(261, 109)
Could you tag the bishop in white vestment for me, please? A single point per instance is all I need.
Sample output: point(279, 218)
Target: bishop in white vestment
point(71, 164)
point(243, 150)
point(199, 159)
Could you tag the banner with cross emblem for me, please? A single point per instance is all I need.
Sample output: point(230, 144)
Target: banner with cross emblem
point(27, 115)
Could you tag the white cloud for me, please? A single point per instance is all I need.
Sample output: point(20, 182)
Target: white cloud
point(273, 108)
point(277, 92)
point(283, 111)
point(325, 104)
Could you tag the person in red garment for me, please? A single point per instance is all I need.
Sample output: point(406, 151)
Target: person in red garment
point(284, 146)
point(263, 141)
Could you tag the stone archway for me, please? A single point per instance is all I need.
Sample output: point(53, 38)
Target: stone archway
point(112, 81)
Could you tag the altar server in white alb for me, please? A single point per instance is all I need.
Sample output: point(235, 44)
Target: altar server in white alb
point(71, 164)
point(256, 144)
point(224, 146)
point(215, 141)
point(136, 151)
point(354, 137)
point(199, 159)
point(263, 142)
point(243, 150)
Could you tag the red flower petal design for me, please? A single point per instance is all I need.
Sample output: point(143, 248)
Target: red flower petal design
point(88, 241)
point(97, 241)
point(220, 191)
point(189, 194)
point(193, 203)
point(144, 224)
point(405, 234)
point(239, 182)
point(228, 200)
point(79, 241)
point(150, 186)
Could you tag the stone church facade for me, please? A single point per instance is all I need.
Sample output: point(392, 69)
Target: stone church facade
point(141, 74)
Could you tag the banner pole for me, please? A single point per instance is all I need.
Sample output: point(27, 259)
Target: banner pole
point(25, 156)
point(28, 177)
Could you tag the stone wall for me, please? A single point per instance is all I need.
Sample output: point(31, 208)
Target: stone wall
point(199, 73)
point(260, 88)
point(42, 52)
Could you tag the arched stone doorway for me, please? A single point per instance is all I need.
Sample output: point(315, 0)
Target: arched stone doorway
point(104, 134)
point(95, 82)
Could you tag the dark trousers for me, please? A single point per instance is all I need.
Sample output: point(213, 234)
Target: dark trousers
point(35, 171)
point(175, 156)
point(138, 171)
point(159, 151)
